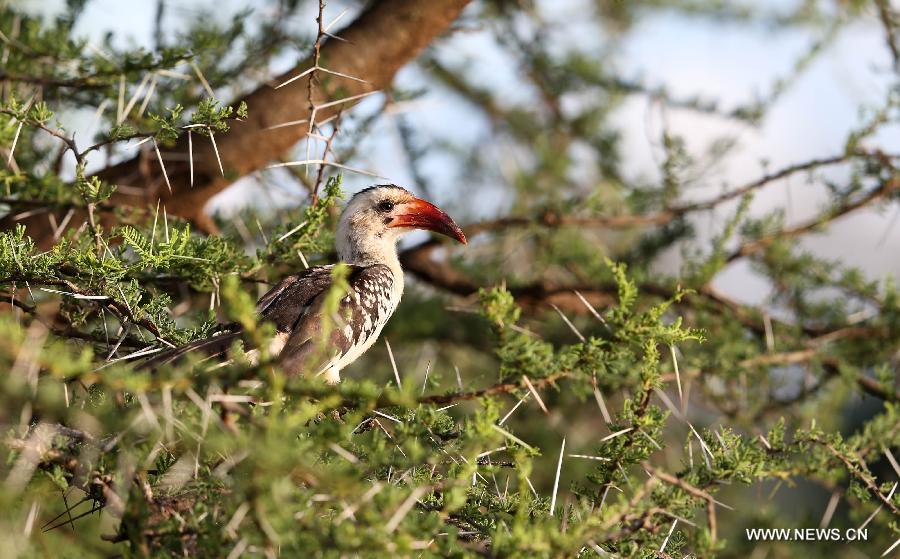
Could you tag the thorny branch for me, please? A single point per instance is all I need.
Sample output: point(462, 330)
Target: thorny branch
point(555, 219)
point(118, 308)
point(862, 476)
point(883, 191)
point(688, 488)
point(501, 388)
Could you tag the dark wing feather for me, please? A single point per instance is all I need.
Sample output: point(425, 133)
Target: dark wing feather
point(283, 305)
point(306, 284)
point(288, 301)
point(311, 347)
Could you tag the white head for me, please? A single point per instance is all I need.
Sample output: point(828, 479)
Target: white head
point(376, 218)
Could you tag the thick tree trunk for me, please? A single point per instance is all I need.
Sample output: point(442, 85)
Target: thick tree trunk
point(376, 45)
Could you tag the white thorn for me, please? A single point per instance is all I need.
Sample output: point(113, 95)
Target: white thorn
point(393, 364)
point(669, 535)
point(535, 393)
point(562, 451)
point(677, 374)
point(191, 157)
point(162, 165)
point(510, 412)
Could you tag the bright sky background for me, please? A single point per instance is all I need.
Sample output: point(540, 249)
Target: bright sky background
point(733, 63)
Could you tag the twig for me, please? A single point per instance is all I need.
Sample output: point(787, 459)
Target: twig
point(853, 470)
point(500, 388)
point(688, 488)
point(887, 21)
point(751, 247)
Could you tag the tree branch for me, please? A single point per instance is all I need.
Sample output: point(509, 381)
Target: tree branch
point(887, 21)
point(553, 219)
point(752, 247)
point(862, 476)
point(375, 46)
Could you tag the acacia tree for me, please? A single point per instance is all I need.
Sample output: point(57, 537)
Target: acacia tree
point(542, 397)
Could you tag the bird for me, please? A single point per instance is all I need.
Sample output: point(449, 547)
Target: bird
point(309, 339)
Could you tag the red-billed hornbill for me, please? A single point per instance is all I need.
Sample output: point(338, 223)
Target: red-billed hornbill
point(307, 339)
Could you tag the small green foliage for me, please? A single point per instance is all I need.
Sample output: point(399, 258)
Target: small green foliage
point(92, 189)
point(39, 112)
point(289, 241)
point(167, 127)
point(214, 118)
point(241, 307)
point(242, 111)
point(499, 307)
point(121, 131)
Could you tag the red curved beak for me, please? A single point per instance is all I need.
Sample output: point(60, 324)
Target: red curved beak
point(420, 214)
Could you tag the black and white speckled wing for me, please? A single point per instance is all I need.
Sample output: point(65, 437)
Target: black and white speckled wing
point(284, 305)
point(306, 340)
point(317, 342)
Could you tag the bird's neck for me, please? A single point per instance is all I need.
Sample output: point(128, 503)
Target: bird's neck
point(371, 251)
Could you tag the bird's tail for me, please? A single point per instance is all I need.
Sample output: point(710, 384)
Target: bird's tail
point(212, 347)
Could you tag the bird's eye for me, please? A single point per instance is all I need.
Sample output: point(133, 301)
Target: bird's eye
point(385, 206)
